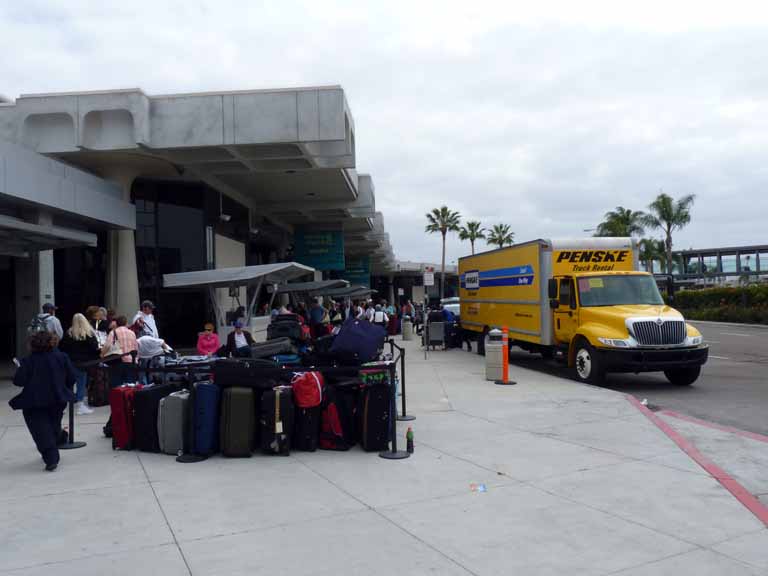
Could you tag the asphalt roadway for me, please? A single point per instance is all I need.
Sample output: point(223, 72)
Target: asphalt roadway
point(732, 388)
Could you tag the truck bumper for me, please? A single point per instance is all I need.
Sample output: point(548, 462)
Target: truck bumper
point(653, 359)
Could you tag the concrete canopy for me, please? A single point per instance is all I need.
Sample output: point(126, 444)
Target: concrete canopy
point(287, 154)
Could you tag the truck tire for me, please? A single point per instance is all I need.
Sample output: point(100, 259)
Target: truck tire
point(587, 364)
point(683, 376)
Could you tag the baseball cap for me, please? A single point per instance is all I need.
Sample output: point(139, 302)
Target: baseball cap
point(48, 307)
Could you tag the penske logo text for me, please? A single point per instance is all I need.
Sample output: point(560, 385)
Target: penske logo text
point(593, 260)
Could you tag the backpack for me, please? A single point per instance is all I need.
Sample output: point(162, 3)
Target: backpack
point(307, 389)
point(38, 324)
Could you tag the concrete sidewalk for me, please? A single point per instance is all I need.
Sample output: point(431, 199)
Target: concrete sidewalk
point(577, 480)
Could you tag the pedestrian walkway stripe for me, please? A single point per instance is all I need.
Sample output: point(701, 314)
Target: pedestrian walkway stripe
point(726, 480)
point(708, 424)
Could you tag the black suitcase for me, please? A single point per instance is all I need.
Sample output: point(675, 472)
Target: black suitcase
point(338, 426)
point(245, 372)
point(277, 420)
point(306, 429)
point(285, 329)
point(238, 422)
point(373, 417)
point(273, 348)
point(146, 403)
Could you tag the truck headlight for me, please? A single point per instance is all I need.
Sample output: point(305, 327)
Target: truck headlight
point(694, 340)
point(616, 342)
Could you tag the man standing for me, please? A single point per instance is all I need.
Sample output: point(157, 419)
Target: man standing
point(47, 322)
point(147, 317)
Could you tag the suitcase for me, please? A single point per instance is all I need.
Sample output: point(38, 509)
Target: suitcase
point(373, 416)
point(358, 341)
point(146, 403)
point(292, 330)
point(337, 417)
point(173, 423)
point(287, 360)
point(238, 416)
point(273, 347)
point(277, 420)
point(98, 386)
point(121, 406)
point(306, 429)
point(205, 418)
point(245, 373)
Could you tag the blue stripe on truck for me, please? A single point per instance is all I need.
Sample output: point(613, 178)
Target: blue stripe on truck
point(513, 281)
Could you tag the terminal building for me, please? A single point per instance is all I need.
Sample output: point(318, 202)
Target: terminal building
point(102, 193)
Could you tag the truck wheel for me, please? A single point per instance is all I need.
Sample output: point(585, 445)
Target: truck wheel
point(587, 364)
point(683, 376)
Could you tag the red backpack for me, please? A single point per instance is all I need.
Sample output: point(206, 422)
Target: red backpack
point(308, 389)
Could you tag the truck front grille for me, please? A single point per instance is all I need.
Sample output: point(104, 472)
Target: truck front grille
point(651, 333)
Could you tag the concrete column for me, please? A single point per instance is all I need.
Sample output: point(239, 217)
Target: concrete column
point(28, 302)
point(122, 290)
point(391, 282)
point(44, 264)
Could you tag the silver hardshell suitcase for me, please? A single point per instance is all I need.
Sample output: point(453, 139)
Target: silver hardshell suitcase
point(172, 423)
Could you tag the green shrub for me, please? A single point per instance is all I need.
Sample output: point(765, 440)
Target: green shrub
point(743, 297)
point(737, 314)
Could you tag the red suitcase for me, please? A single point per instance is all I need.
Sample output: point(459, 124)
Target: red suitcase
point(121, 404)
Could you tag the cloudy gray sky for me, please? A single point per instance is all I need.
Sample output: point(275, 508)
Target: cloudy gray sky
point(541, 117)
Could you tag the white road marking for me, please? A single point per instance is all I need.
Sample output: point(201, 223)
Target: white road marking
point(735, 334)
point(719, 357)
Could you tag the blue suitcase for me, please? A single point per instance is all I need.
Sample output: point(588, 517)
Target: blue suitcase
point(287, 359)
point(205, 419)
point(358, 342)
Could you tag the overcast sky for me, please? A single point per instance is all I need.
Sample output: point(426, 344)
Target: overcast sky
point(540, 117)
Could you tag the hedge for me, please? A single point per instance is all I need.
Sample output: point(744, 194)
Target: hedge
point(743, 304)
point(747, 297)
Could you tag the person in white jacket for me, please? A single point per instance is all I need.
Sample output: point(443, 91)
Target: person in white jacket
point(147, 316)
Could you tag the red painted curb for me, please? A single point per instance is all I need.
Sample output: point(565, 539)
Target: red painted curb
point(726, 480)
point(708, 424)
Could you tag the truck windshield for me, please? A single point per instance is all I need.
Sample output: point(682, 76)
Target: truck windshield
point(617, 290)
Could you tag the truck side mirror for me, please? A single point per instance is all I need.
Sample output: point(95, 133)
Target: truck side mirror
point(554, 304)
point(552, 288)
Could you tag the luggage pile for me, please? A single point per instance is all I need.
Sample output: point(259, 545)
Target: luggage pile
point(269, 403)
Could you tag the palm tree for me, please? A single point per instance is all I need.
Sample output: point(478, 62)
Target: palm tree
point(442, 220)
point(501, 234)
point(622, 222)
point(472, 231)
point(651, 250)
point(669, 214)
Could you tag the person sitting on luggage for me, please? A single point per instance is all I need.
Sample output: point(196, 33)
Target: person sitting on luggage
point(149, 347)
point(380, 317)
point(46, 377)
point(239, 341)
point(208, 341)
point(81, 345)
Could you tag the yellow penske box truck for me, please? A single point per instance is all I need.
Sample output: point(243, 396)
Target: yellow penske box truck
point(584, 297)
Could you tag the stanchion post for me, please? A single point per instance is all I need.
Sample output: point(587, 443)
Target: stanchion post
point(404, 417)
point(71, 444)
point(505, 381)
point(393, 453)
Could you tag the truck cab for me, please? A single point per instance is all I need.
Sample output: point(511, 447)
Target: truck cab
point(618, 322)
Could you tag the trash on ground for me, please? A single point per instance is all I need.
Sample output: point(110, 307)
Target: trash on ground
point(475, 487)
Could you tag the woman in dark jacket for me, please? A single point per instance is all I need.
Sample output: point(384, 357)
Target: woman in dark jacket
point(81, 345)
point(46, 377)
